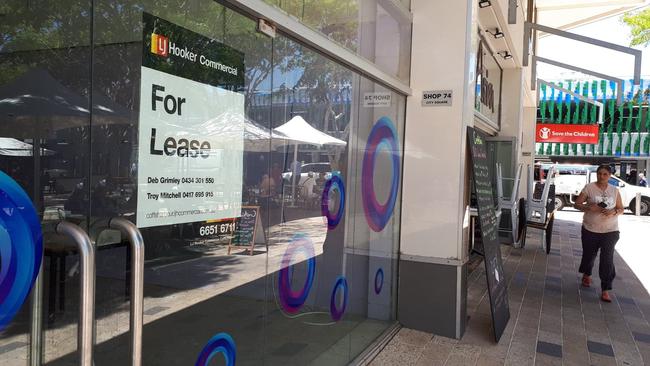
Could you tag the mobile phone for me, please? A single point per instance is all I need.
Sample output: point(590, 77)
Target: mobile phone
point(602, 204)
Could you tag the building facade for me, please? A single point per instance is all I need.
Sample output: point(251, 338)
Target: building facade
point(298, 172)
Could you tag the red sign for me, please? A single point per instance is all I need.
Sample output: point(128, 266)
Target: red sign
point(571, 134)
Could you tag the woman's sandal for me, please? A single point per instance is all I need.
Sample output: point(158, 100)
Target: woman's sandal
point(605, 297)
point(586, 281)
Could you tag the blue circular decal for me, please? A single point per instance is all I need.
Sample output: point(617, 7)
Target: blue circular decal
point(291, 300)
point(335, 311)
point(220, 343)
point(377, 214)
point(379, 280)
point(334, 183)
point(21, 248)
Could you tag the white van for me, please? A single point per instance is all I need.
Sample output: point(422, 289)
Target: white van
point(571, 178)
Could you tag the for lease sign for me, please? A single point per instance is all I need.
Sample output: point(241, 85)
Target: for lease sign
point(570, 134)
point(191, 127)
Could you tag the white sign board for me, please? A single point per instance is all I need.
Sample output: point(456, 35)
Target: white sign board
point(190, 161)
point(377, 99)
point(436, 98)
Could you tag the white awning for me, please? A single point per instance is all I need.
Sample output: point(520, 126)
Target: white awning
point(12, 147)
point(567, 14)
point(299, 130)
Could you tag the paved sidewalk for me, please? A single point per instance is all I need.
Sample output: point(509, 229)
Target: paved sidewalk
point(553, 321)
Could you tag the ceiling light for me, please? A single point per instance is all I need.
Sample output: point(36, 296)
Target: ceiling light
point(505, 54)
point(496, 34)
point(484, 3)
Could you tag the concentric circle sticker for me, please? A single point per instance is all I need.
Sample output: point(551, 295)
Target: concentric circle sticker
point(221, 343)
point(335, 183)
point(21, 248)
point(383, 134)
point(336, 311)
point(290, 300)
point(379, 280)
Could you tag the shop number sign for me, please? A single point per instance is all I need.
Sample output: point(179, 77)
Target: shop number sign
point(435, 98)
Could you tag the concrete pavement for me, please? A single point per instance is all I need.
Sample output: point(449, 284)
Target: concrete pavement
point(553, 321)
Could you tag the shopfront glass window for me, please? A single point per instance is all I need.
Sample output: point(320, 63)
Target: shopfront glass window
point(342, 246)
point(265, 180)
point(45, 89)
point(377, 30)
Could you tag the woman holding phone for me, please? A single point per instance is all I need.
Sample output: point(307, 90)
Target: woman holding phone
point(601, 204)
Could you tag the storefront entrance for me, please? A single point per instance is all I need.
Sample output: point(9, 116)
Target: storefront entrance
point(259, 246)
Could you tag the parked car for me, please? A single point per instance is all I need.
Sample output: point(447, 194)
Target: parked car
point(571, 178)
point(305, 169)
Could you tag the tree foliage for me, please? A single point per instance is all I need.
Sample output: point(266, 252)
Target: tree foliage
point(639, 23)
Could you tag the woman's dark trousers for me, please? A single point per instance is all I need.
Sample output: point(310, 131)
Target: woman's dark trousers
point(605, 242)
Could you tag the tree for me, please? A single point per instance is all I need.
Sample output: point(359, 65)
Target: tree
point(639, 23)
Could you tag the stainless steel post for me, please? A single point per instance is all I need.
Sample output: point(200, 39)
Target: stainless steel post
point(85, 333)
point(36, 327)
point(637, 202)
point(137, 284)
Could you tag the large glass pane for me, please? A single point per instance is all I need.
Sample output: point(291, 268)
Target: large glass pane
point(44, 143)
point(186, 202)
point(375, 205)
point(324, 305)
point(377, 30)
point(280, 243)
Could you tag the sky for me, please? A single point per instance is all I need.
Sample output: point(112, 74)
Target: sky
point(592, 57)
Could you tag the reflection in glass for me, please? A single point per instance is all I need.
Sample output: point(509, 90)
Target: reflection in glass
point(71, 139)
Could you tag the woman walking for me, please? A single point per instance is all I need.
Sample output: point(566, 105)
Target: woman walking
point(601, 203)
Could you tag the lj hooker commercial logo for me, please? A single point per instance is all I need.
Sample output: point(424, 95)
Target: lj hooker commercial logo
point(159, 45)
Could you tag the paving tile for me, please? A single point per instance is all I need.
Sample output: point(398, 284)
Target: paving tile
point(460, 360)
point(600, 348)
point(490, 361)
point(398, 354)
point(155, 310)
point(520, 355)
point(549, 349)
point(641, 337)
point(575, 352)
point(627, 353)
point(435, 352)
point(11, 346)
point(625, 300)
point(546, 360)
point(413, 337)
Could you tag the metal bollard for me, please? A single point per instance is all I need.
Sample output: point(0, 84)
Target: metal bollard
point(637, 202)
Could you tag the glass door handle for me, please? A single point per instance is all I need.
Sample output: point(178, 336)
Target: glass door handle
point(128, 229)
point(85, 333)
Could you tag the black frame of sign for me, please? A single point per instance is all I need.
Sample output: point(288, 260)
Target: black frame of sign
point(496, 283)
point(482, 44)
point(232, 243)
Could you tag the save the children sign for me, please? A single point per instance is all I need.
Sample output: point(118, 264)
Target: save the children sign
point(570, 134)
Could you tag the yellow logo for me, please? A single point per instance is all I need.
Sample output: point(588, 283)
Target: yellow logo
point(159, 45)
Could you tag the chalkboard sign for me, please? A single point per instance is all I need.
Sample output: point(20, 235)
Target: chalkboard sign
point(248, 229)
point(497, 289)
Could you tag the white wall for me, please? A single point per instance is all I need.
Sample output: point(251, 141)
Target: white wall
point(443, 57)
point(511, 103)
point(528, 144)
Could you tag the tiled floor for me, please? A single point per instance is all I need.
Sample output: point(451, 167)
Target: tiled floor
point(553, 321)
